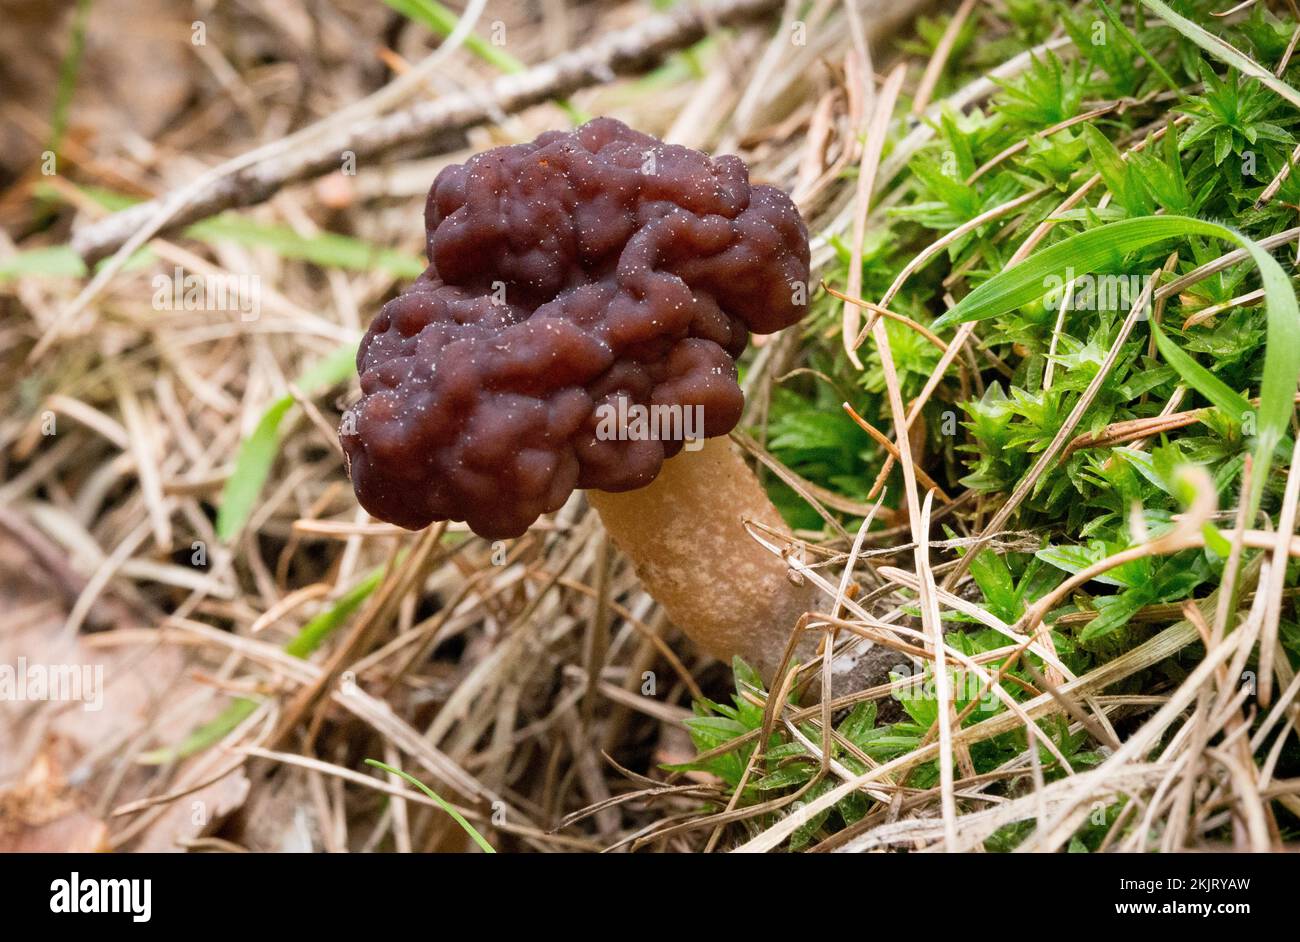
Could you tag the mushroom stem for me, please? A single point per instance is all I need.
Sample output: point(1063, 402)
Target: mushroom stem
point(685, 534)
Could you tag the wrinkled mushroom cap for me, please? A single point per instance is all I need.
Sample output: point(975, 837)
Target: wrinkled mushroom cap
point(565, 275)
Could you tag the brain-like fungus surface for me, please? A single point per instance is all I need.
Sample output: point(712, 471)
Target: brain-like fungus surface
point(577, 285)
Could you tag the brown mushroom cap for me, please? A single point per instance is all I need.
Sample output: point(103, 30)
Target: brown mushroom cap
point(565, 275)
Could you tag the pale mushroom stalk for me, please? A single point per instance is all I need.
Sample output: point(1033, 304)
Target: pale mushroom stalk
point(685, 535)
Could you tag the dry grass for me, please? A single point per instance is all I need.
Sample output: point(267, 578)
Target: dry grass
point(509, 678)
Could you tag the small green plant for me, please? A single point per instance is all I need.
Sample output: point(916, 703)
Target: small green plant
point(1176, 151)
point(726, 736)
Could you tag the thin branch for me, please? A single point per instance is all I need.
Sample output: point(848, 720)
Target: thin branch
point(436, 124)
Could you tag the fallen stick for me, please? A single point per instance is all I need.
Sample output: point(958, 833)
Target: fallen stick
point(438, 123)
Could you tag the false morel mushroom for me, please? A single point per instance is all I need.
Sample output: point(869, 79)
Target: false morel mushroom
point(577, 284)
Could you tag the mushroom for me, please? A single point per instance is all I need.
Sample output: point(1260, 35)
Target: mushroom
point(586, 299)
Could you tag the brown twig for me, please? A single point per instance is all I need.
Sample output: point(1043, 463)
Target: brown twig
point(437, 125)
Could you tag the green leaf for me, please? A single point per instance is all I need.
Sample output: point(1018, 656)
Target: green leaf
point(1216, 541)
point(1201, 379)
point(456, 815)
point(916, 695)
point(1141, 50)
point(257, 453)
point(326, 249)
point(990, 572)
point(441, 20)
point(804, 834)
point(69, 71)
point(859, 726)
point(1075, 559)
point(787, 776)
point(1120, 178)
point(55, 261)
point(1084, 252)
point(313, 634)
point(745, 676)
point(207, 735)
point(1113, 612)
point(1222, 145)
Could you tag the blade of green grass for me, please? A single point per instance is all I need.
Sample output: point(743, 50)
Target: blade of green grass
point(1199, 378)
point(1133, 41)
point(59, 261)
point(206, 736)
point(326, 249)
point(1029, 281)
point(435, 16)
point(441, 20)
point(108, 198)
point(257, 453)
point(1223, 51)
point(69, 70)
point(55, 261)
point(456, 815)
point(1085, 252)
point(313, 634)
